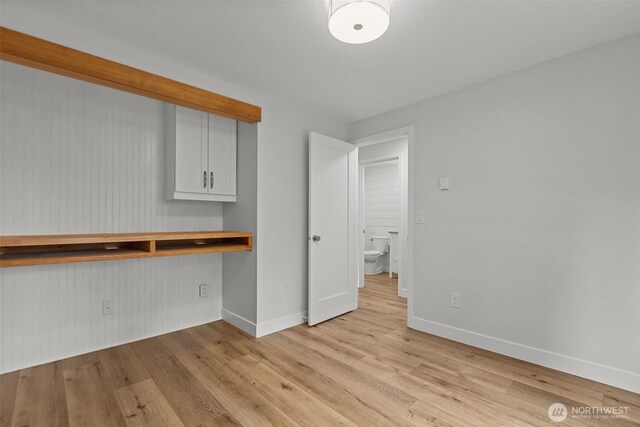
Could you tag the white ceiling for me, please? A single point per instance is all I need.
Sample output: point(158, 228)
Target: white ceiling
point(284, 49)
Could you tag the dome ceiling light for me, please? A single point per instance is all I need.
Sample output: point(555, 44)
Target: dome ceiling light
point(358, 21)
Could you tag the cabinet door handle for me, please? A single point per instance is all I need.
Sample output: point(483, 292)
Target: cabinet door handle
point(212, 180)
point(204, 180)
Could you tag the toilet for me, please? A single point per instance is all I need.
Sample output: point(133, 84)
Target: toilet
point(373, 257)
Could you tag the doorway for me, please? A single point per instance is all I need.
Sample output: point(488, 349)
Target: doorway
point(380, 147)
point(336, 252)
point(382, 210)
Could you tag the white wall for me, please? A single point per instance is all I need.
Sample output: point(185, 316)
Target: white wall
point(540, 232)
point(382, 202)
point(389, 149)
point(281, 236)
point(79, 158)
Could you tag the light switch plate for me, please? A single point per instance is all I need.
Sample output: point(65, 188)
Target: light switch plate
point(419, 217)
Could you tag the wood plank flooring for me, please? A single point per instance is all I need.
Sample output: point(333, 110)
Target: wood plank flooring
point(364, 368)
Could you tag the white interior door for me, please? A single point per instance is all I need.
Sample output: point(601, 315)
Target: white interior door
point(333, 237)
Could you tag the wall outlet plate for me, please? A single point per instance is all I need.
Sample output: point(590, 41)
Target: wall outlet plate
point(456, 301)
point(107, 307)
point(444, 183)
point(203, 290)
point(279, 293)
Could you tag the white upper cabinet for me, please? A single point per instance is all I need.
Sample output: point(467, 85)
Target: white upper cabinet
point(200, 156)
point(222, 155)
point(191, 148)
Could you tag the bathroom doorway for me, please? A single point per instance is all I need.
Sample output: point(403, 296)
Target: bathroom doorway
point(383, 211)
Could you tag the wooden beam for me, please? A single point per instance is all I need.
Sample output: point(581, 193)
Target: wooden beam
point(37, 53)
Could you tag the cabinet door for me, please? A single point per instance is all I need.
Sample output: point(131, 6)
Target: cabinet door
point(222, 155)
point(192, 174)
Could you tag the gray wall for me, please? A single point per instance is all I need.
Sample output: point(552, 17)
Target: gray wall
point(283, 187)
point(540, 232)
point(240, 268)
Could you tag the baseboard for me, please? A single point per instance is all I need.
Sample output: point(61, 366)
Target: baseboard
point(239, 322)
point(582, 368)
point(286, 322)
point(264, 328)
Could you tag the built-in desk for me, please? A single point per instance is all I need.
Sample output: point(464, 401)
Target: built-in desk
point(61, 249)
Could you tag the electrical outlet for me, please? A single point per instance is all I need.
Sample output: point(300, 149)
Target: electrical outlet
point(107, 307)
point(204, 290)
point(456, 301)
point(444, 183)
point(280, 294)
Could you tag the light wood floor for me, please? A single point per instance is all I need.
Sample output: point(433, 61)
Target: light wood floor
point(364, 368)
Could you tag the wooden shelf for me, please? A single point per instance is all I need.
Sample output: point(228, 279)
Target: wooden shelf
point(67, 248)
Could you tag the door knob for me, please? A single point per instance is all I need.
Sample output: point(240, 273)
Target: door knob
point(315, 238)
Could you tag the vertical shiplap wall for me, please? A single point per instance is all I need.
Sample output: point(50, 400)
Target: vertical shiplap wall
point(79, 158)
point(382, 199)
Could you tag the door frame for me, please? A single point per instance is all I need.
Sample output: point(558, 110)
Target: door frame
point(408, 254)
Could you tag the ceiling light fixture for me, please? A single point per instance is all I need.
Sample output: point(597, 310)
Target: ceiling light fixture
point(358, 21)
